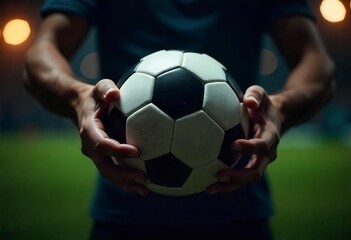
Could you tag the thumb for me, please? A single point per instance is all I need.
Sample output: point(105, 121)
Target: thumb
point(254, 96)
point(106, 90)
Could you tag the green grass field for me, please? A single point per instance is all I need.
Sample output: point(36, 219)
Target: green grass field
point(46, 185)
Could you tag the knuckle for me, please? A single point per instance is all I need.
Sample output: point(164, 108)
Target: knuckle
point(83, 131)
point(86, 147)
point(256, 89)
point(276, 138)
point(107, 82)
point(104, 81)
point(274, 155)
point(84, 150)
point(104, 84)
point(98, 145)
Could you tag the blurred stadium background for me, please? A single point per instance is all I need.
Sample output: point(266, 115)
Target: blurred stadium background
point(46, 184)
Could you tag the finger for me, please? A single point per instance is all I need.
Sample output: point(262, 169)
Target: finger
point(106, 90)
point(129, 179)
point(95, 140)
point(250, 146)
point(252, 171)
point(252, 162)
point(129, 175)
point(254, 96)
point(230, 180)
point(259, 145)
point(235, 179)
point(107, 167)
point(111, 147)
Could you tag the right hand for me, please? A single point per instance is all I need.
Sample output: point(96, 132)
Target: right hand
point(98, 146)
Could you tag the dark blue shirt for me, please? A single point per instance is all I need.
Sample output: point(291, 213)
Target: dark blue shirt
point(231, 32)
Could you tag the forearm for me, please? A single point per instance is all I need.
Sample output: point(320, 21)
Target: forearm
point(50, 79)
point(308, 88)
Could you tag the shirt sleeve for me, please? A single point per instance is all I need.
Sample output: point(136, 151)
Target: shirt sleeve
point(82, 8)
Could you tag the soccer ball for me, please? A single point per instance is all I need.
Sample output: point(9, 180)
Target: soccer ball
point(182, 110)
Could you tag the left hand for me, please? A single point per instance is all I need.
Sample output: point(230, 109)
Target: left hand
point(266, 123)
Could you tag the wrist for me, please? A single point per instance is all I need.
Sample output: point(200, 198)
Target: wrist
point(278, 102)
point(82, 92)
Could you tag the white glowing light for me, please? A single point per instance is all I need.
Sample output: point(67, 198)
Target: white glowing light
point(333, 10)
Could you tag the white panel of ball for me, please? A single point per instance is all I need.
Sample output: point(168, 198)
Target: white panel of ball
point(135, 92)
point(204, 66)
point(197, 139)
point(225, 112)
point(159, 62)
point(150, 130)
point(201, 178)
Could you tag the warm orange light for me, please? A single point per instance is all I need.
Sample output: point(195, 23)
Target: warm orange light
point(16, 32)
point(333, 10)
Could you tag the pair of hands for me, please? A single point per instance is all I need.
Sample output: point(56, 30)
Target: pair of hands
point(96, 144)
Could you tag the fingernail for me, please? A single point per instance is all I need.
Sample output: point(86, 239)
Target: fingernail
point(252, 98)
point(108, 91)
point(224, 179)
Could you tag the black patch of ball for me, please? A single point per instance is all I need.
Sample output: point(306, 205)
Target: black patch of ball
point(126, 75)
point(167, 171)
point(226, 155)
point(178, 93)
point(235, 86)
point(115, 125)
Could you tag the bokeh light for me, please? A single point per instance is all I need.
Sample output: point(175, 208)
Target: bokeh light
point(89, 66)
point(333, 10)
point(269, 62)
point(16, 31)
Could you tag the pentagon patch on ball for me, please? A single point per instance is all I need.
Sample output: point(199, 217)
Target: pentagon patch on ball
point(182, 110)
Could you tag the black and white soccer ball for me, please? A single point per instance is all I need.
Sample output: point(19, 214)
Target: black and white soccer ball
point(182, 110)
